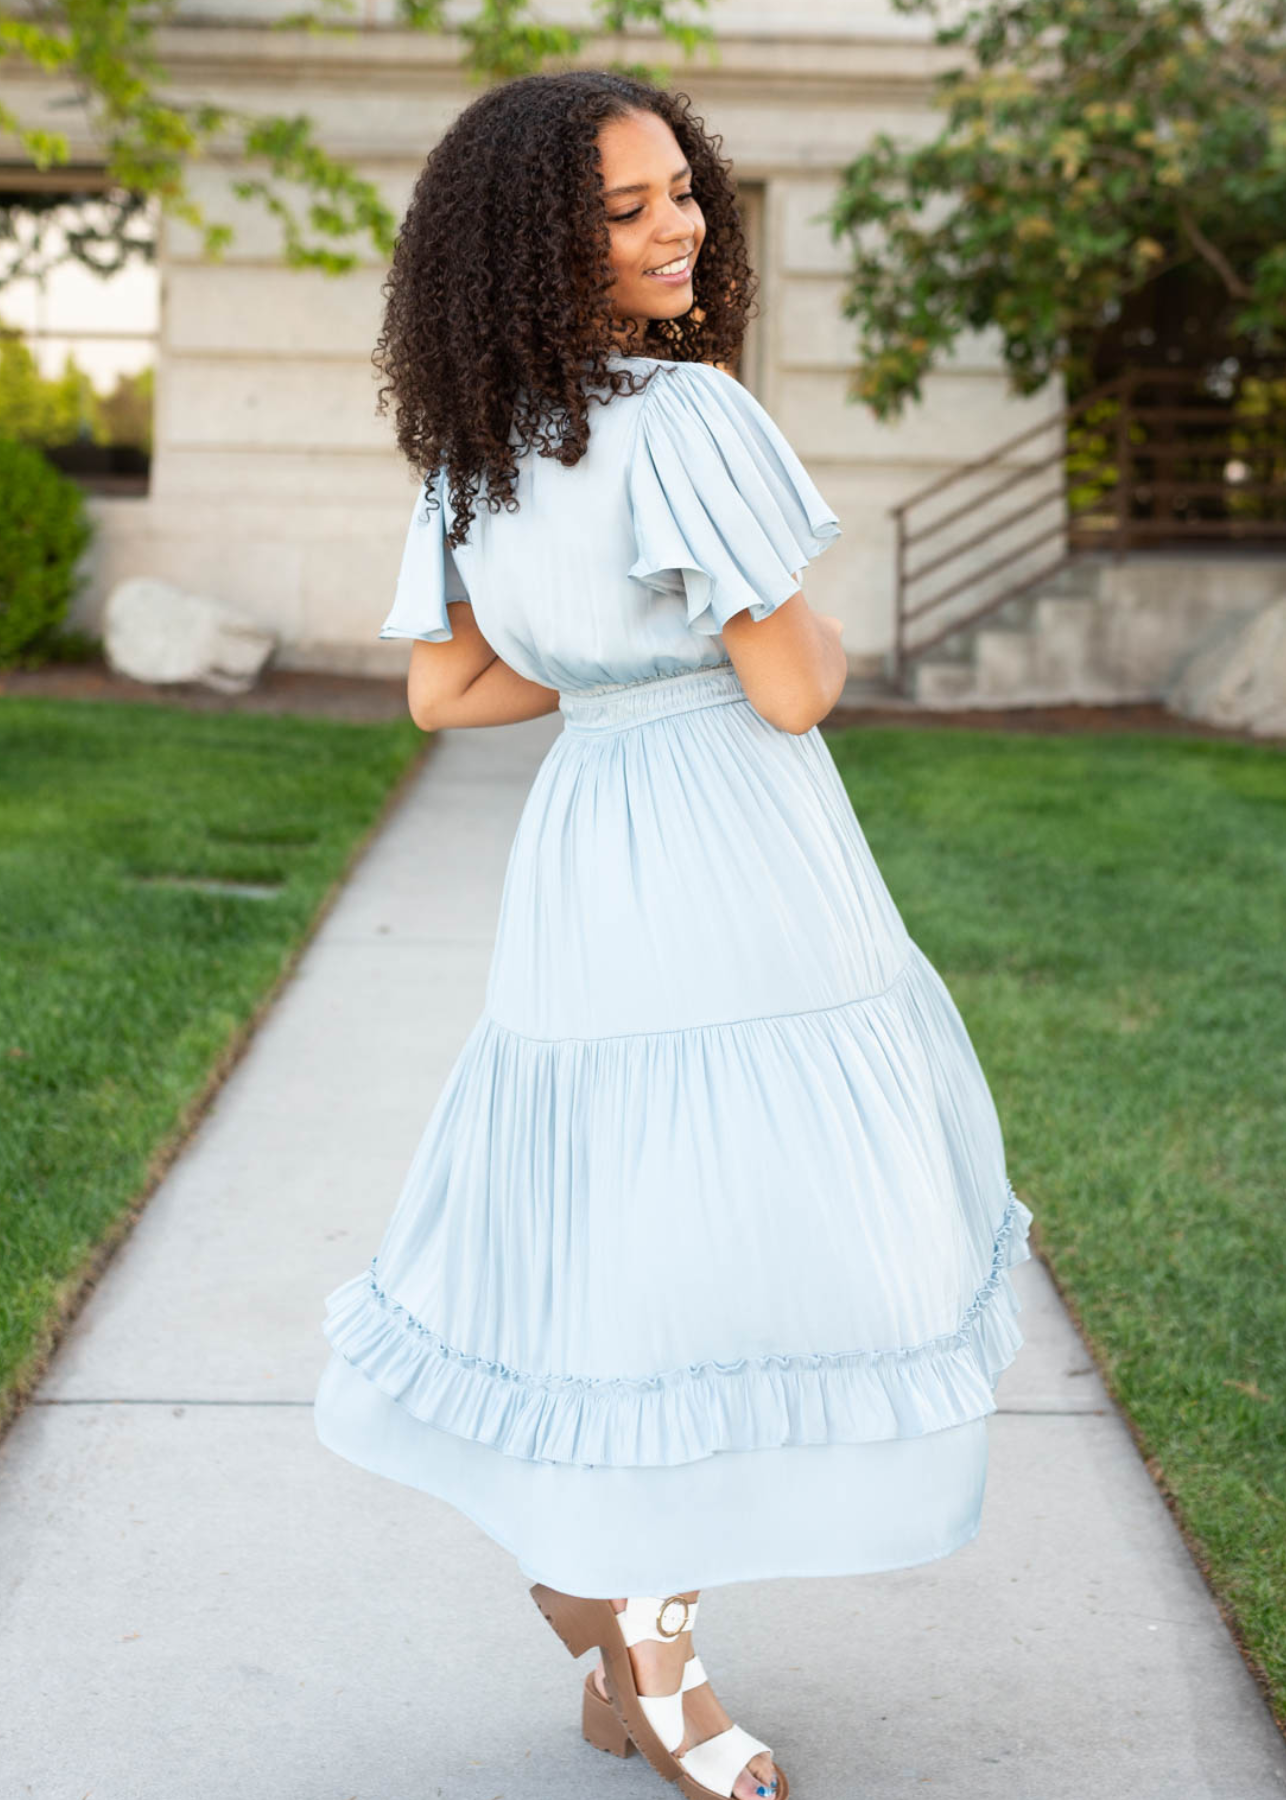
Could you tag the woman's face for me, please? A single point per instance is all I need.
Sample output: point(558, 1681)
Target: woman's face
point(653, 220)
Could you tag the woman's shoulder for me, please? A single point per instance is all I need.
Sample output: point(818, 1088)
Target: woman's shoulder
point(679, 395)
point(681, 372)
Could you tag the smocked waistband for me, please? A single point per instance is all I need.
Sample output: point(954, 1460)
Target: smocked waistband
point(617, 705)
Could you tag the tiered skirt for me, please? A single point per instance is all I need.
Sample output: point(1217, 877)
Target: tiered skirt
point(700, 1272)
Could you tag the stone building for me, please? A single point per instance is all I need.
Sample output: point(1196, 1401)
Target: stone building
point(275, 486)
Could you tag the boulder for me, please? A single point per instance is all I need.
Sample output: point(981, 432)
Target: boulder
point(1235, 674)
point(154, 631)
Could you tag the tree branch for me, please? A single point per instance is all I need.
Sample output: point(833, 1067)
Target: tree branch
point(1213, 255)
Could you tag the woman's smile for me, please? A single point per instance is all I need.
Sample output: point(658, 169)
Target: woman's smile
point(675, 272)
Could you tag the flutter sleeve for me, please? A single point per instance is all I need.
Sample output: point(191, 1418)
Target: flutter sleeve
point(724, 512)
point(428, 578)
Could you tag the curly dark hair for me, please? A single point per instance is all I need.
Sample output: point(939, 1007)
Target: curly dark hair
point(484, 354)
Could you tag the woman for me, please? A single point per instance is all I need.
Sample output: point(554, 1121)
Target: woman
point(700, 1271)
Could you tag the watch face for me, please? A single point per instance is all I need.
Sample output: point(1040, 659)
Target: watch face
point(672, 1617)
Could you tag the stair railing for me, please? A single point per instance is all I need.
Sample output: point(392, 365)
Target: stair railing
point(1056, 487)
point(1143, 472)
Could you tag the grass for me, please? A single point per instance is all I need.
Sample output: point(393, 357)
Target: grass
point(1110, 916)
point(124, 992)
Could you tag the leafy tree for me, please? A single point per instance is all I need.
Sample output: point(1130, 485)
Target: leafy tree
point(101, 231)
point(106, 50)
point(38, 409)
point(126, 413)
point(1089, 147)
point(44, 530)
point(41, 410)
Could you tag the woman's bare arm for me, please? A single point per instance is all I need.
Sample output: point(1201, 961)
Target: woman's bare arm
point(792, 664)
point(461, 681)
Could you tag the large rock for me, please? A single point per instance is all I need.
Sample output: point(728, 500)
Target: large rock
point(1235, 674)
point(154, 631)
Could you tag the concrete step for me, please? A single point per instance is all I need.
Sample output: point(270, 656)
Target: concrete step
point(943, 683)
point(868, 690)
point(1036, 647)
point(1013, 615)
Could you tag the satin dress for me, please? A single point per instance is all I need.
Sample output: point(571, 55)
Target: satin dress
point(700, 1271)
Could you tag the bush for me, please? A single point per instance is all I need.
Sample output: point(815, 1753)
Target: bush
point(44, 528)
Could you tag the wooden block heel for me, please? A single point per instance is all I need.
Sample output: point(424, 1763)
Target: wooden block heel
point(600, 1723)
point(579, 1623)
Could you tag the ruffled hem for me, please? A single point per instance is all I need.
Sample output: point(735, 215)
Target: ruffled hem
point(834, 1509)
point(685, 1414)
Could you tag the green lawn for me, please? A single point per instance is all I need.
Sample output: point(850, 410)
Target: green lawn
point(120, 993)
point(1110, 916)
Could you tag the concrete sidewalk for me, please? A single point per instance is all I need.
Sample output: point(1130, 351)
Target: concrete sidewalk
point(199, 1600)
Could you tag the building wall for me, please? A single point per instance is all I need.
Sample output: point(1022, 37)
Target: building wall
point(277, 488)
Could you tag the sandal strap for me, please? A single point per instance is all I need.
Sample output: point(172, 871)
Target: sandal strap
point(664, 1713)
point(693, 1674)
point(658, 1617)
point(718, 1761)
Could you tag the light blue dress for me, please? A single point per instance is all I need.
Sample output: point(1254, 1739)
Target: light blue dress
point(700, 1272)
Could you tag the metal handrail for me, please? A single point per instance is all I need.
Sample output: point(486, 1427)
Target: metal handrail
point(1014, 479)
point(1001, 451)
point(992, 568)
point(992, 530)
point(1124, 489)
point(980, 612)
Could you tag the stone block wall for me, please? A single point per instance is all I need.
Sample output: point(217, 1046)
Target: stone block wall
point(277, 488)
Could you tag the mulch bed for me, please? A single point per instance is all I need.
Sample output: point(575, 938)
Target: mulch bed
point(1148, 716)
point(360, 699)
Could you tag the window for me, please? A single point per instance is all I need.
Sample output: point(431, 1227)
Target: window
point(79, 319)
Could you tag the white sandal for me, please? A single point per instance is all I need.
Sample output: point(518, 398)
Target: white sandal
point(652, 1722)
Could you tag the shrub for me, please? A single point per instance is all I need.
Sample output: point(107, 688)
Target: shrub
point(44, 528)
